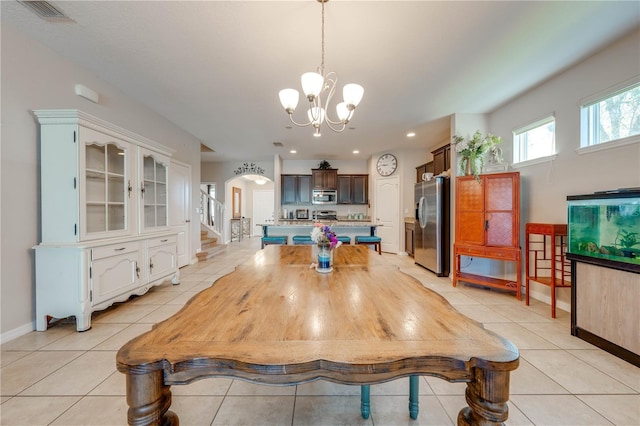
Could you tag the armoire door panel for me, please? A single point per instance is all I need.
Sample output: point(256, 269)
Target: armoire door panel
point(470, 195)
point(500, 229)
point(499, 193)
point(470, 228)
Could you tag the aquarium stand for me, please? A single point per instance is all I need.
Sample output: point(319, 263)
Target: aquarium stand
point(604, 304)
point(546, 245)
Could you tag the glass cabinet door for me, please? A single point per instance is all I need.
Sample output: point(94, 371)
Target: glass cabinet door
point(154, 171)
point(106, 188)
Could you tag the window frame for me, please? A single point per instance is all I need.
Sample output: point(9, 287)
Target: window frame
point(588, 116)
point(518, 144)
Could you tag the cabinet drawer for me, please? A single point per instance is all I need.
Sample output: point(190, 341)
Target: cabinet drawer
point(159, 241)
point(114, 250)
point(492, 253)
point(499, 253)
point(471, 251)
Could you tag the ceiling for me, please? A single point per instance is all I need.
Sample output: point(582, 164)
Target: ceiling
point(215, 68)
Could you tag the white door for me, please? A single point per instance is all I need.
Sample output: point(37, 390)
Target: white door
point(263, 209)
point(387, 207)
point(180, 208)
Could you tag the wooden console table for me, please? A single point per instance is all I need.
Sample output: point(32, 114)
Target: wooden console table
point(364, 323)
point(547, 254)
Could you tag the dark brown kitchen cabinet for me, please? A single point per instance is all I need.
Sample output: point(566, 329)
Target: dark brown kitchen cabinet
point(441, 159)
point(296, 189)
point(353, 189)
point(423, 168)
point(324, 178)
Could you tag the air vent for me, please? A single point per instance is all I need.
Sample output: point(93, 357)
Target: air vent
point(46, 11)
point(204, 148)
point(278, 144)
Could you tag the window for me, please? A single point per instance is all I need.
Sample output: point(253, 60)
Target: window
point(535, 140)
point(610, 118)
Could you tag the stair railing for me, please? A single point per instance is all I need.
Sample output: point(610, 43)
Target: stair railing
point(212, 212)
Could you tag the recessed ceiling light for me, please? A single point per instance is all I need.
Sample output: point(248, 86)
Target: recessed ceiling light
point(411, 134)
point(293, 151)
point(355, 151)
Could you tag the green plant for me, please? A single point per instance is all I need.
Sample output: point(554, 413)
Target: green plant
point(324, 165)
point(627, 239)
point(471, 151)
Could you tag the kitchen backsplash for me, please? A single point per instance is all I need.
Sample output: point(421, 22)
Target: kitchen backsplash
point(341, 209)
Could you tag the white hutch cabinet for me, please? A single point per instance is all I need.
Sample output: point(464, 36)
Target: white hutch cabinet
point(104, 205)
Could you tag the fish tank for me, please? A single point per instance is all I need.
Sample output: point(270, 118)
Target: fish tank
point(604, 228)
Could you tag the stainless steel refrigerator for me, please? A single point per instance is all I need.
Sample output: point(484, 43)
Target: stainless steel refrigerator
point(432, 239)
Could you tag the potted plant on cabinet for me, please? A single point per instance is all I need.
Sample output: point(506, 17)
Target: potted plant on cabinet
point(471, 151)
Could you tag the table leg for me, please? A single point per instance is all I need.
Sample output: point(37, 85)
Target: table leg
point(149, 400)
point(487, 397)
point(414, 392)
point(365, 401)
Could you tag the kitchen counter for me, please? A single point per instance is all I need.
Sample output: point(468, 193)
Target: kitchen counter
point(332, 223)
point(289, 228)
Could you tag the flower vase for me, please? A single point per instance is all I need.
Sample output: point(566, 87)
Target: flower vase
point(467, 167)
point(472, 166)
point(325, 257)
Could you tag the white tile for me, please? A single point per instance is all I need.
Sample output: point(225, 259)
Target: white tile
point(394, 410)
point(329, 411)
point(86, 340)
point(196, 410)
point(78, 377)
point(520, 336)
point(32, 368)
point(255, 410)
point(574, 374)
point(619, 409)
point(19, 411)
point(557, 410)
point(613, 366)
point(95, 411)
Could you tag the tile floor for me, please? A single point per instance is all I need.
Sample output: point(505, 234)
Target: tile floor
point(61, 377)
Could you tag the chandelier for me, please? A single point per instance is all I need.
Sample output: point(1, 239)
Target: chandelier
point(315, 85)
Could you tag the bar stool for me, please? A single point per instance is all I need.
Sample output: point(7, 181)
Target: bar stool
point(370, 240)
point(345, 239)
point(274, 239)
point(302, 239)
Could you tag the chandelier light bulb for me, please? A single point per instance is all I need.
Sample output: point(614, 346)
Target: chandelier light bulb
point(343, 112)
point(312, 83)
point(352, 94)
point(289, 99)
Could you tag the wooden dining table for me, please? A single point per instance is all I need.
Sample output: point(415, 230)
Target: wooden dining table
point(275, 320)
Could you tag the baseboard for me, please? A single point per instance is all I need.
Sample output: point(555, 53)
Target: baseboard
point(17, 332)
point(565, 306)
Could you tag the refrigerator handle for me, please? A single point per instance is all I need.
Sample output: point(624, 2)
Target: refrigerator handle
point(421, 213)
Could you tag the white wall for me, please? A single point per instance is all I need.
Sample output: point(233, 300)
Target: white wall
point(545, 186)
point(221, 172)
point(34, 77)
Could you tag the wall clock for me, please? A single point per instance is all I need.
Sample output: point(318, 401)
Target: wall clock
point(387, 164)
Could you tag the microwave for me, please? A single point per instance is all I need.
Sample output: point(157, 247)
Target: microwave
point(324, 196)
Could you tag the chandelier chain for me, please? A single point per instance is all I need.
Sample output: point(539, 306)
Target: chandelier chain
point(322, 59)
